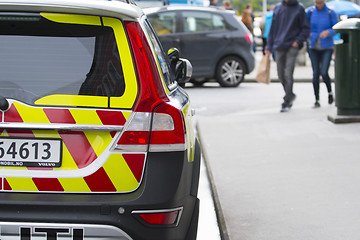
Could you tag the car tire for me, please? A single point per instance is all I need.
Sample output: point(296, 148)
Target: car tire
point(230, 71)
point(182, 85)
point(198, 82)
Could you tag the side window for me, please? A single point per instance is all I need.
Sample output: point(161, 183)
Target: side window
point(161, 57)
point(202, 21)
point(197, 21)
point(218, 22)
point(163, 23)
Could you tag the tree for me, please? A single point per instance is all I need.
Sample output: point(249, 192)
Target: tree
point(257, 4)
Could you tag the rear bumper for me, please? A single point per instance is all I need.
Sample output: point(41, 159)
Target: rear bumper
point(170, 182)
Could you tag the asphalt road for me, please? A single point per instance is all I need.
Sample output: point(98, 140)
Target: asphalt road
point(279, 175)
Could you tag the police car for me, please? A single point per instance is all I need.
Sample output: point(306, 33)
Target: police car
point(96, 135)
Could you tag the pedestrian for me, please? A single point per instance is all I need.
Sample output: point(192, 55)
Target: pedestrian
point(267, 19)
point(227, 5)
point(247, 18)
point(320, 45)
point(213, 3)
point(289, 30)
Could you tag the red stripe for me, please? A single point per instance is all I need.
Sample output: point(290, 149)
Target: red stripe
point(76, 142)
point(79, 148)
point(59, 116)
point(6, 185)
point(20, 133)
point(111, 117)
point(1, 185)
point(12, 115)
point(48, 184)
point(100, 182)
point(136, 164)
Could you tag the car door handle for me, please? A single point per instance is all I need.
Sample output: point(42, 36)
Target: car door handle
point(177, 40)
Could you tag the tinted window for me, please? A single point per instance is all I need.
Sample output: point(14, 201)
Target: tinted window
point(202, 21)
point(163, 23)
point(40, 58)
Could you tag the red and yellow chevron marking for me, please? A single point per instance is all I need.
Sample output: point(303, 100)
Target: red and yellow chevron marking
point(120, 172)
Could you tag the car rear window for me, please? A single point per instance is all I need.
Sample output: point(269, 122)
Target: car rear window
point(40, 57)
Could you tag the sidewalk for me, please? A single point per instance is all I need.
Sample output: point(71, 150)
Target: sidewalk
point(302, 73)
point(283, 176)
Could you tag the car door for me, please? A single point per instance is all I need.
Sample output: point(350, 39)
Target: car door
point(203, 38)
point(164, 23)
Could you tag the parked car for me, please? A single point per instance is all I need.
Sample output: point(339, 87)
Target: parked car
point(215, 41)
point(96, 135)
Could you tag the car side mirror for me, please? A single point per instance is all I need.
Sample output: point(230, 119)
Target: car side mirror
point(180, 66)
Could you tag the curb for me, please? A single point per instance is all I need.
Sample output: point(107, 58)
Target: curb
point(304, 80)
point(218, 210)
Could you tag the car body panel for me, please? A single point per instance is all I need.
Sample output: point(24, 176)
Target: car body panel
point(89, 183)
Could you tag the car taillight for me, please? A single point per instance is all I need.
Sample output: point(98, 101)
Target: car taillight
point(159, 217)
point(168, 129)
point(156, 125)
point(249, 37)
point(163, 130)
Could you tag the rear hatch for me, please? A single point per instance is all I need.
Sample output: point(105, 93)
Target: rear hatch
point(70, 85)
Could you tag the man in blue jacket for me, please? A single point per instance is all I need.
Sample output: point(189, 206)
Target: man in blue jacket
point(289, 30)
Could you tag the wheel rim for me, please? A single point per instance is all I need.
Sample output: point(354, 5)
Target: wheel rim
point(232, 72)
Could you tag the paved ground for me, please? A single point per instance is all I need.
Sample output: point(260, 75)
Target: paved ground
point(303, 71)
point(289, 176)
point(283, 175)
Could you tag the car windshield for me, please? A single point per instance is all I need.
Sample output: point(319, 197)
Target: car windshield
point(39, 57)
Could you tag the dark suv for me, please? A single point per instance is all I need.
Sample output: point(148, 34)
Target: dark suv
point(96, 135)
point(215, 41)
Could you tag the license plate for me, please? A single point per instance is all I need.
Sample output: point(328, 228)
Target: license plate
point(31, 152)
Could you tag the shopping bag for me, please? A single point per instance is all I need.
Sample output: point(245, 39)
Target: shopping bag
point(263, 74)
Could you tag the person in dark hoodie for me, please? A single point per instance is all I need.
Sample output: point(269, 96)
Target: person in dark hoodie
point(289, 30)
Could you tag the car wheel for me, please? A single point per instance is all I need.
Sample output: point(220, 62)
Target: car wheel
point(230, 72)
point(198, 82)
point(182, 85)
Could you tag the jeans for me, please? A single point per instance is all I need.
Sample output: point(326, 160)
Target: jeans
point(320, 62)
point(285, 61)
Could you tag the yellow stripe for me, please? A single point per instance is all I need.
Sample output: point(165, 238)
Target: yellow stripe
point(120, 173)
point(128, 98)
point(73, 100)
point(85, 116)
point(126, 114)
point(68, 163)
point(99, 141)
point(72, 18)
point(21, 184)
point(74, 185)
point(31, 114)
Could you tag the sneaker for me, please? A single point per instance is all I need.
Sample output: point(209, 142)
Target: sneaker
point(331, 98)
point(292, 99)
point(317, 104)
point(285, 107)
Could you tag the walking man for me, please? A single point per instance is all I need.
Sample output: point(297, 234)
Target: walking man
point(289, 30)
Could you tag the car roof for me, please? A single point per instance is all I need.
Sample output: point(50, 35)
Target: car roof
point(184, 7)
point(92, 7)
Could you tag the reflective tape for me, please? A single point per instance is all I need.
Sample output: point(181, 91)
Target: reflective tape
point(119, 172)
